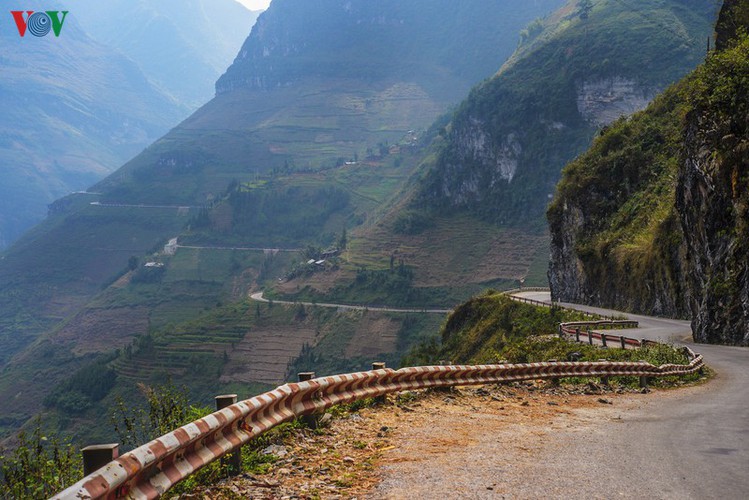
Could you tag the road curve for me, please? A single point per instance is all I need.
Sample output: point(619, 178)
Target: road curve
point(258, 297)
point(692, 443)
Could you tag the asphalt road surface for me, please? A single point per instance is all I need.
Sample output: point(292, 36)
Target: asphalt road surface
point(258, 297)
point(693, 443)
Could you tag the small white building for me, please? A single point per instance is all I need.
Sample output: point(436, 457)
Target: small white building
point(171, 247)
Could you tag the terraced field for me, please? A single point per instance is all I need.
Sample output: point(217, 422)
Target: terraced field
point(264, 355)
point(456, 250)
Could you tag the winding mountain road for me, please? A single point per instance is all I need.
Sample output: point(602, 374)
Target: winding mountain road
point(692, 443)
point(687, 443)
point(258, 297)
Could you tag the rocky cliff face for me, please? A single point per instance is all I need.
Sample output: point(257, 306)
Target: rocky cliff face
point(616, 240)
point(509, 140)
point(713, 201)
point(298, 39)
point(654, 217)
point(602, 101)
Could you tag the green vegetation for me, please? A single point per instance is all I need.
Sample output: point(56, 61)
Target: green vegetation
point(493, 328)
point(412, 222)
point(87, 386)
point(166, 408)
point(480, 330)
point(40, 465)
point(633, 195)
point(529, 118)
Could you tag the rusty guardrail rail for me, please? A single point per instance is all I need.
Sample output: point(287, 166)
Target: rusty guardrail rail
point(577, 330)
point(150, 470)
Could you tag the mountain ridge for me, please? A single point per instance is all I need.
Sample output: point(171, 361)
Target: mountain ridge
point(505, 169)
point(654, 210)
point(65, 123)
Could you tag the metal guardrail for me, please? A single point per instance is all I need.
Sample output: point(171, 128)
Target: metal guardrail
point(540, 303)
point(577, 330)
point(149, 471)
point(528, 289)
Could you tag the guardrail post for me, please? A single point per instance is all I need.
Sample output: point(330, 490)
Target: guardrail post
point(590, 337)
point(309, 420)
point(605, 380)
point(97, 456)
point(623, 341)
point(603, 340)
point(555, 380)
point(234, 460)
point(643, 343)
point(577, 335)
point(644, 382)
point(379, 365)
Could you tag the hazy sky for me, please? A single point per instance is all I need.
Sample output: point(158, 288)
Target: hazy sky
point(255, 4)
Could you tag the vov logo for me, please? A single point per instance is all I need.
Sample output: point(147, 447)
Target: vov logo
point(39, 24)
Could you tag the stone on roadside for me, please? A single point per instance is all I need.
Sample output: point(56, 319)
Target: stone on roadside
point(275, 449)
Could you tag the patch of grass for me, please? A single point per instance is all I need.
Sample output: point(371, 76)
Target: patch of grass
point(536, 348)
point(492, 328)
point(479, 330)
point(346, 409)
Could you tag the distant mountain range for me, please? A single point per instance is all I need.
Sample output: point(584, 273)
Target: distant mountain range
point(77, 106)
point(181, 45)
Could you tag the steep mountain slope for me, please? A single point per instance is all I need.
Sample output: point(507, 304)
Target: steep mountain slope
point(615, 234)
point(509, 140)
point(72, 111)
point(254, 169)
point(653, 218)
point(320, 82)
point(166, 37)
point(471, 215)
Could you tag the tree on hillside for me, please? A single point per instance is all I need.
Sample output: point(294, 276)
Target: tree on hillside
point(343, 241)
